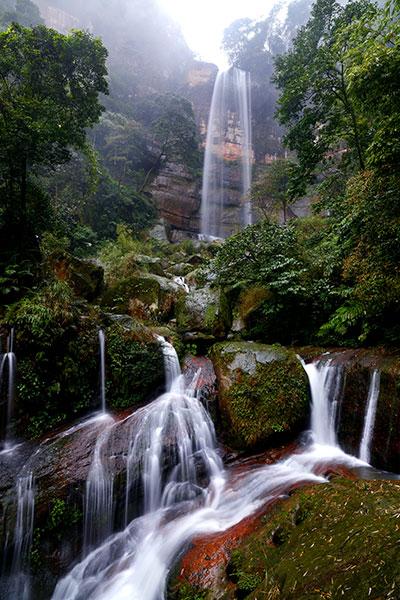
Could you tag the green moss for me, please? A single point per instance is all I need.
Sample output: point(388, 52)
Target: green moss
point(340, 540)
point(134, 366)
point(185, 591)
point(263, 391)
point(119, 293)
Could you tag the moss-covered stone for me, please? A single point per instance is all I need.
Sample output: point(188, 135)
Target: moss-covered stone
point(338, 540)
point(204, 310)
point(143, 295)
point(263, 391)
point(85, 276)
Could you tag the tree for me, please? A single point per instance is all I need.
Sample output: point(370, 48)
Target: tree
point(315, 105)
point(270, 191)
point(171, 122)
point(49, 94)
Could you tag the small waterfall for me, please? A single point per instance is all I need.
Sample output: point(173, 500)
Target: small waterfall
point(102, 346)
point(8, 368)
point(326, 382)
point(372, 402)
point(98, 521)
point(186, 491)
point(231, 96)
point(19, 581)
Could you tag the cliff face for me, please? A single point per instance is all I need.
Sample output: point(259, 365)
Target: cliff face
point(176, 192)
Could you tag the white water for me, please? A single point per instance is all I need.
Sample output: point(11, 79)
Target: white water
point(369, 423)
point(8, 367)
point(102, 347)
point(18, 582)
point(186, 490)
point(326, 380)
point(98, 521)
point(231, 96)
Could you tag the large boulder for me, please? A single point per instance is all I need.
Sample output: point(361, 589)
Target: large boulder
point(204, 310)
point(263, 391)
point(85, 276)
point(145, 296)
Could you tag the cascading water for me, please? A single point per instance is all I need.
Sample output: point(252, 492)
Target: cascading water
point(18, 582)
point(372, 402)
point(98, 522)
point(184, 490)
point(231, 96)
point(102, 347)
point(326, 381)
point(8, 367)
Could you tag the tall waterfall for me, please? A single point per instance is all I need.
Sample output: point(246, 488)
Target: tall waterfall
point(231, 97)
point(372, 402)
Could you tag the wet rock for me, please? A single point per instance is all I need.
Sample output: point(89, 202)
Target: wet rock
point(204, 310)
point(263, 392)
point(200, 369)
point(358, 369)
point(177, 195)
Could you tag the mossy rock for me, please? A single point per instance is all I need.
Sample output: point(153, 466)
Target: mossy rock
point(338, 540)
point(85, 276)
point(204, 310)
point(145, 296)
point(263, 391)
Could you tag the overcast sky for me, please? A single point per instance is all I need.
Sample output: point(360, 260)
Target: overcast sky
point(203, 22)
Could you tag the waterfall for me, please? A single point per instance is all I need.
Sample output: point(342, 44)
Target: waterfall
point(231, 96)
point(8, 369)
point(372, 402)
point(19, 581)
point(102, 346)
point(326, 382)
point(174, 467)
point(98, 521)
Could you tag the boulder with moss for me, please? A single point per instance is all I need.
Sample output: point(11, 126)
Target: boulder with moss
point(205, 311)
point(85, 276)
point(263, 392)
point(143, 295)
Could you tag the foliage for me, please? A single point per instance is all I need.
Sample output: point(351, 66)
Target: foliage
point(315, 104)
point(135, 366)
point(269, 193)
point(264, 253)
point(112, 204)
point(49, 93)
